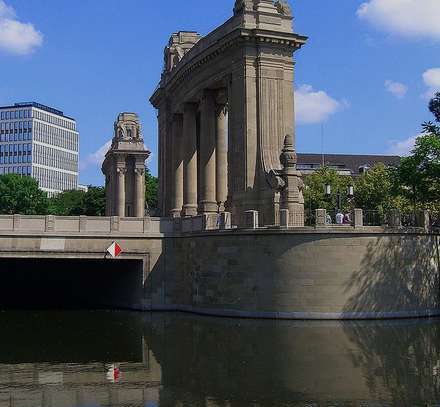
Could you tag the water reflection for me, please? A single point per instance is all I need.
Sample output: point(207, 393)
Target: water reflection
point(79, 359)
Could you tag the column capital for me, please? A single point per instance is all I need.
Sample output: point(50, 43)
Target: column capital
point(139, 171)
point(222, 96)
point(177, 117)
point(121, 170)
point(190, 107)
point(221, 109)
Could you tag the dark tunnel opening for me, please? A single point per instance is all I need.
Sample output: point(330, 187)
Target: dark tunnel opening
point(69, 283)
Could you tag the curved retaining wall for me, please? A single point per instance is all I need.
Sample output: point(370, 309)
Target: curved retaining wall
point(327, 274)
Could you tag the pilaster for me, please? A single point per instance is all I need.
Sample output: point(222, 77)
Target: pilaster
point(121, 171)
point(139, 172)
point(177, 193)
point(207, 203)
point(190, 160)
point(221, 155)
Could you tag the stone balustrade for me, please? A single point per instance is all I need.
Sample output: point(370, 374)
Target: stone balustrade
point(84, 224)
point(101, 225)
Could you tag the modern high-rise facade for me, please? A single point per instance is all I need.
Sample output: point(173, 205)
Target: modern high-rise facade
point(41, 142)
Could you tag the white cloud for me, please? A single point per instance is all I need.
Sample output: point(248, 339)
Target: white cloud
point(6, 11)
point(398, 89)
point(406, 18)
point(402, 148)
point(17, 37)
point(314, 106)
point(431, 77)
point(95, 159)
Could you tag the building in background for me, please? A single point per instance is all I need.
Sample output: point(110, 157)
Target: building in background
point(345, 164)
point(41, 142)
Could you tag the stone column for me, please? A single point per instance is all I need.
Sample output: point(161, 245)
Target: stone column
point(139, 204)
point(121, 191)
point(207, 203)
point(190, 160)
point(221, 158)
point(177, 190)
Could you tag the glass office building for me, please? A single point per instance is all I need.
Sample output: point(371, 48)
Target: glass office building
point(41, 142)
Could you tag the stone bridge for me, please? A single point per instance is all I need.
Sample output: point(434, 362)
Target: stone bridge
point(65, 258)
point(191, 265)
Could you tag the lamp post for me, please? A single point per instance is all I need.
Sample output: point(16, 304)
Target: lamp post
point(328, 193)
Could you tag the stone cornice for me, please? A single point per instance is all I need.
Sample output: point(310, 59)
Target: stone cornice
point(197, 58)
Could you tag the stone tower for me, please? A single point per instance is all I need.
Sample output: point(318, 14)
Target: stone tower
point(124, 169)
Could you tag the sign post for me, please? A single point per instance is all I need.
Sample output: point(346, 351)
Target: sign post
point(114, 250)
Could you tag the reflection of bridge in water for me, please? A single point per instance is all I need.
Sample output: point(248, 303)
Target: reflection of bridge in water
point(66, 385)
point(183, 360)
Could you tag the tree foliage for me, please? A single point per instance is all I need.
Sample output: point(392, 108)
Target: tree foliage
point(151, 190)
point(374, 188)
point(314, 191)
point(67, 203)
point(94, 201)
point(419, 174)
point(75, 202)
point(21, 195)
point(434, 106)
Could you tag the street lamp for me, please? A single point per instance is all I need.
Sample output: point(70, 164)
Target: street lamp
point(328, 192)
point(351, 191)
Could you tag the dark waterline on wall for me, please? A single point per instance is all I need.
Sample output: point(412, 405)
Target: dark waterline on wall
point(103, 358)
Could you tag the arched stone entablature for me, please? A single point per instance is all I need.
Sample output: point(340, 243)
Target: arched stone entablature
point(225, 106)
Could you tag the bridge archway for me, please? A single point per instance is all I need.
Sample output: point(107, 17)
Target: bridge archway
point(54, 283)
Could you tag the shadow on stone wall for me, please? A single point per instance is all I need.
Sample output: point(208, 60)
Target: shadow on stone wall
point(396, 274)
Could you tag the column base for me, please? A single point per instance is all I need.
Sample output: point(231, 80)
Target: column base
point(208, 207)
point(189, 210)
point(221, 207)
point(176, 213)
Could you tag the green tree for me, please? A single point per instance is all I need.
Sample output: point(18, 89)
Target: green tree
point(21, 195)
point(418, 176)
point(434, 106)
point(94, 201)
point(374, 189)
point(314, 191)
point(75, 202)
point(67, 203)
point(151, 190)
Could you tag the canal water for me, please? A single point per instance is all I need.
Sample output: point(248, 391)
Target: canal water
point(86, 359)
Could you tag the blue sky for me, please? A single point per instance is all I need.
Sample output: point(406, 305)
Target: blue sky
point(364, 76)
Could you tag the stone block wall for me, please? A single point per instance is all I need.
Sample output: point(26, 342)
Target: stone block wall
point(326, 273)
point(301, 275)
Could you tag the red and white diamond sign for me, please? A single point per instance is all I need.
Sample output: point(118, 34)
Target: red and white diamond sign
point(114, 250)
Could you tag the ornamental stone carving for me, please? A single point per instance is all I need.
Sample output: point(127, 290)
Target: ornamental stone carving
point(283, 7)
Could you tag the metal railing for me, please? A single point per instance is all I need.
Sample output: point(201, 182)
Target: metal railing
point(373, 218)
point(434, 222)
point(309, 218)
point(409, 220)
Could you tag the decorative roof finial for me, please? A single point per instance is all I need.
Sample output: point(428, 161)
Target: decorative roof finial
point(288, 156)
point(283, 7)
